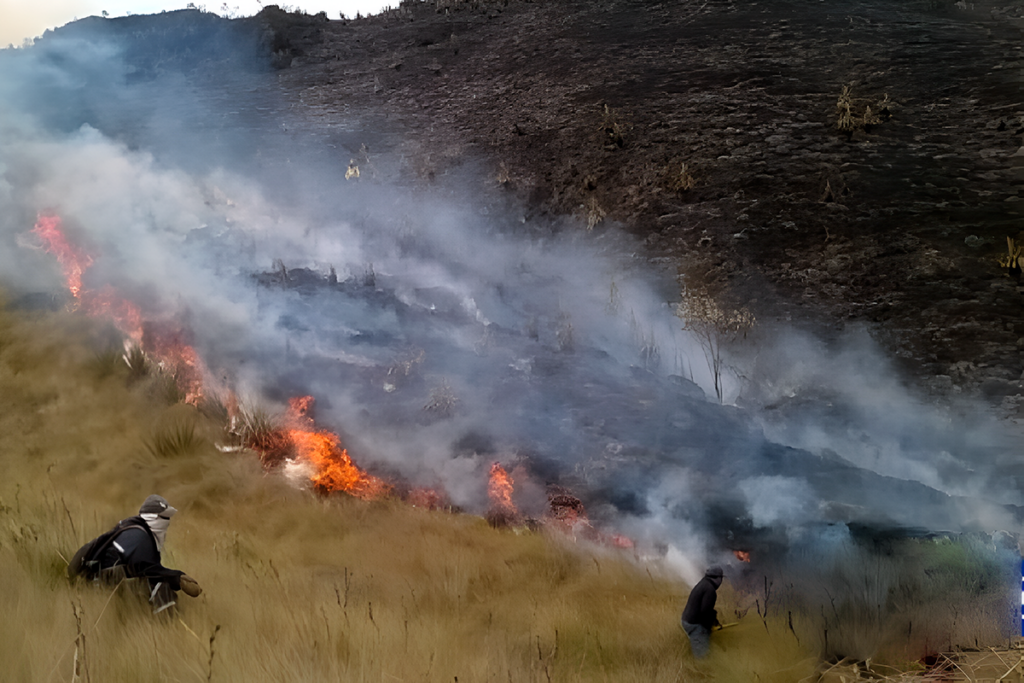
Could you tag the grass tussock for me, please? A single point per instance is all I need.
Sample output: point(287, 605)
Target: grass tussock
point(177, 435)
point(258, 429)
point(137, 362)
point(297, 587)
point(853, 114)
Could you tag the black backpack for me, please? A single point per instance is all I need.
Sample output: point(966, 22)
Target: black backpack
point(86, 561)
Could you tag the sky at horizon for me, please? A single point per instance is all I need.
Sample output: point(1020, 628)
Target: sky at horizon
point(21, 21)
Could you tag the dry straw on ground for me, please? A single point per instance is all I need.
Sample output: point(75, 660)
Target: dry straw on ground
point(296, 587)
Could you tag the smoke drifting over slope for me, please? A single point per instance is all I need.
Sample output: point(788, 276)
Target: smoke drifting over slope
point(440, 330)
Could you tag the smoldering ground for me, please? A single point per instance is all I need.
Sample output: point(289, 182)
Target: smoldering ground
point(441, 329)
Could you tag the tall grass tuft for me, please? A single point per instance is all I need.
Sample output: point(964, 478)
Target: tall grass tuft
point(258, 429)
point(213, 407)
point(173, 440)
point(137, 361)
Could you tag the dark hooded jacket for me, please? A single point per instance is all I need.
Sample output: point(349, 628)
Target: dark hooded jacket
point(700, 606)
point(136, 550)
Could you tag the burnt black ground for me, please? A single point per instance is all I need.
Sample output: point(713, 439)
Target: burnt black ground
point(898, 227)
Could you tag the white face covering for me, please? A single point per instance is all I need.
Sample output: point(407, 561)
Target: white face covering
point(159, 526)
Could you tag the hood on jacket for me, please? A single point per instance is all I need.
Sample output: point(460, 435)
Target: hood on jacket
point(157, 512)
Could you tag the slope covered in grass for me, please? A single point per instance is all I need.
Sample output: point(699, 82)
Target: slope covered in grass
point(296, 587)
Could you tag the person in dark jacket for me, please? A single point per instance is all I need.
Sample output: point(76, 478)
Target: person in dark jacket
point(132, 550)
point(699, 615)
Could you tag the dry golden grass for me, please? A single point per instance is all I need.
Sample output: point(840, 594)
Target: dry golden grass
point(296, 587)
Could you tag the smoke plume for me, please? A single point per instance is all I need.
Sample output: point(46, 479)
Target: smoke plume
point(441, 329)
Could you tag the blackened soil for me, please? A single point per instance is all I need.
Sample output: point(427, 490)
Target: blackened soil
point(592, 108)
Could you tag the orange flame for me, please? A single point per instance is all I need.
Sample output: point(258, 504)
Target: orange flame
point(499, 490)
point(125, 315)
point(168, 344)
point(620, 541)
point(742, 555)
point(73, 261)
point(175, 356)
point(333, 468)
point(428, 498)
point(300, 408)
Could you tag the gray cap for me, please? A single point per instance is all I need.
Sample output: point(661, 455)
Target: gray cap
point(714, 572)
point(157, 505)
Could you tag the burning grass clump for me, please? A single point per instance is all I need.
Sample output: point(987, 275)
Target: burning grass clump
point(294, 438)
point(502, 511)
point(565, 507)
point(137, 368)
point(427, 499)
point(137, 361)
point(257, 429)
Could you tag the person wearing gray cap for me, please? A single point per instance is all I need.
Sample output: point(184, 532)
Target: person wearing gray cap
point(131, 550)
point(699, 615)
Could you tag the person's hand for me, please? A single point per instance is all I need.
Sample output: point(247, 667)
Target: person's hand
point(190, 586)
